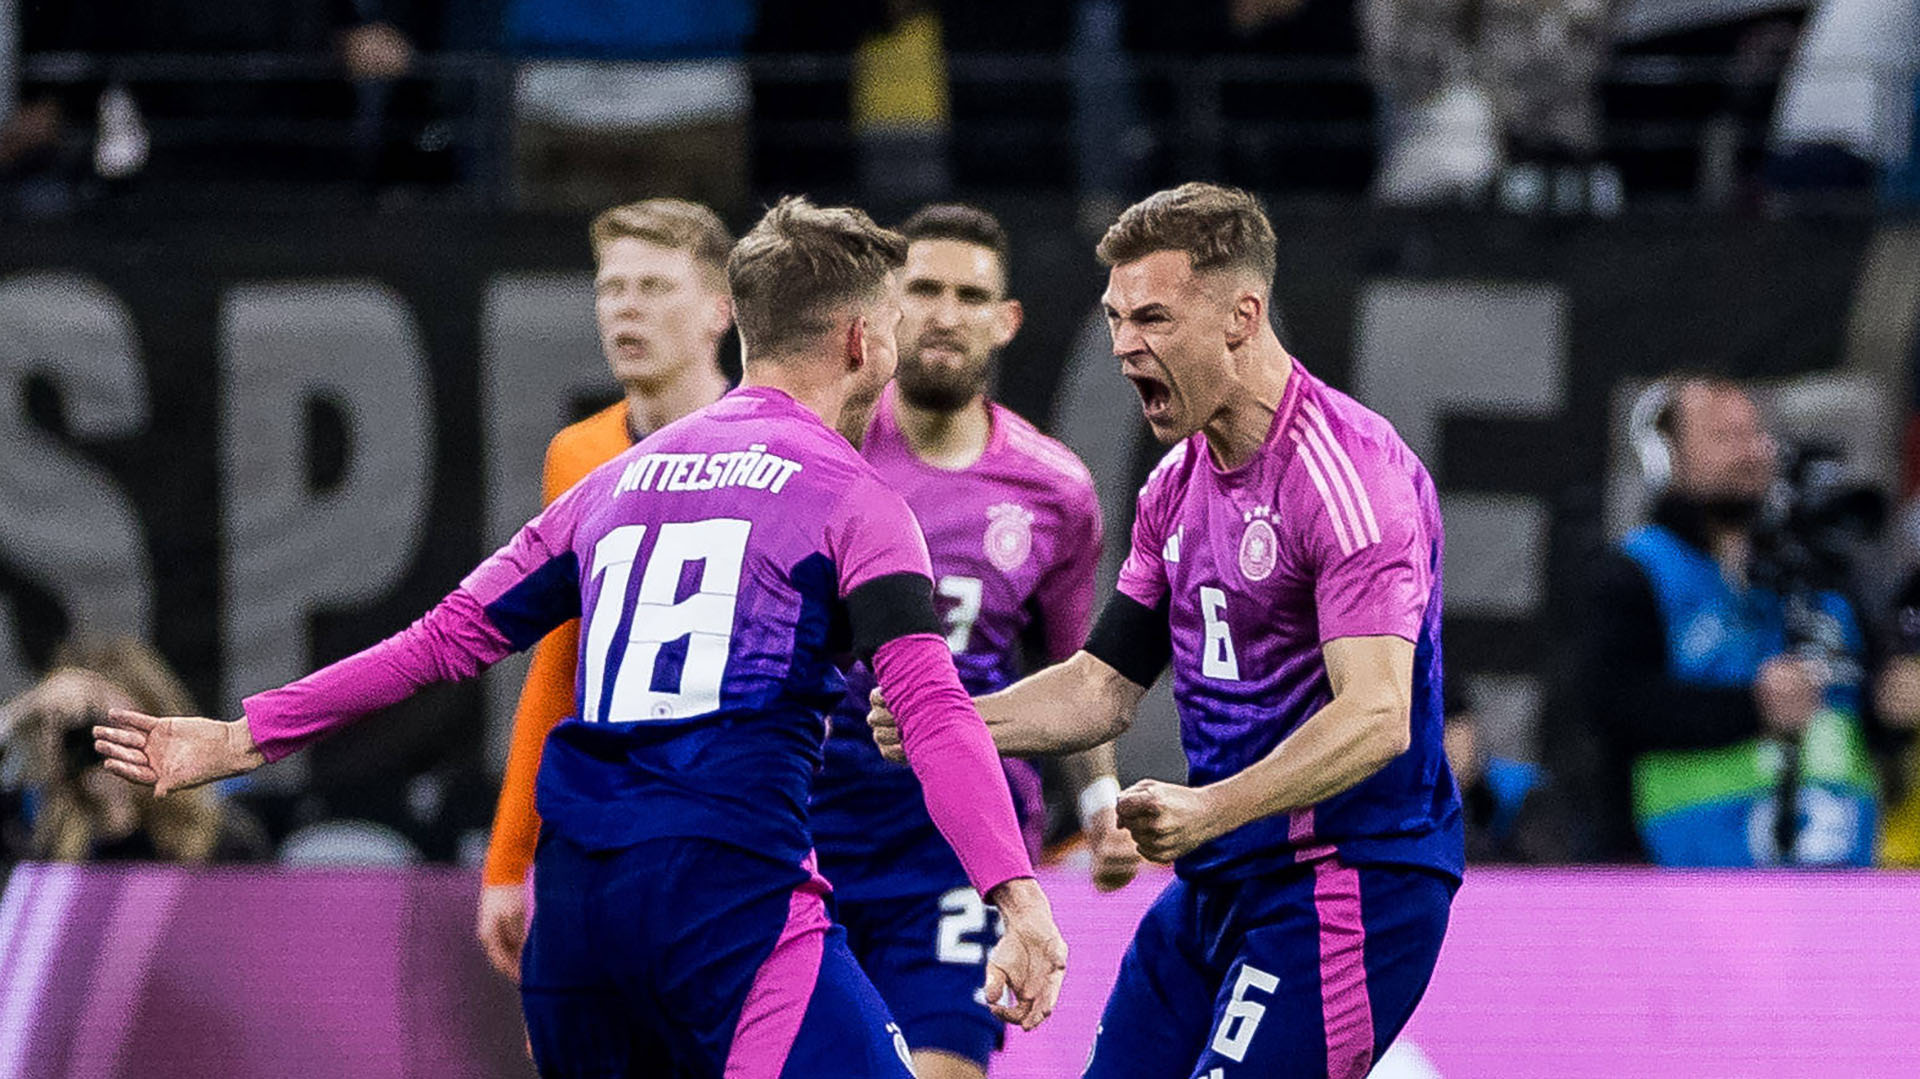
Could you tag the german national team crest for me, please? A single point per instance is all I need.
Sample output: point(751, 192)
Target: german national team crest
point(1009, 539)
point(1259, 547)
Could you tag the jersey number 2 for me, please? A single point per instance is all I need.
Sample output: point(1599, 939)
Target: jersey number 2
point(704, 618)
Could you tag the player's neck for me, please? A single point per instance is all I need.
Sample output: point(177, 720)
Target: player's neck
point(653, 406)
point(1236, 433)
point(952, 440)
point(824, 397)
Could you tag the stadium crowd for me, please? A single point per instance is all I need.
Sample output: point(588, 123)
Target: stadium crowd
point(1569, 106)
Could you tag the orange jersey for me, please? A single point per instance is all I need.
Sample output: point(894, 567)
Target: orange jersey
point(547, 697)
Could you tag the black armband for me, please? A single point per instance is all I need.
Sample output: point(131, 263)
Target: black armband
point(887, 607)
point(1132, 638)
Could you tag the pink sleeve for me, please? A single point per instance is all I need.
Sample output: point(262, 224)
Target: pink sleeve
point(506, 604)
point(871, 533)
point(952, 755)
point(1065, 592)
point(1372, 551)
point(1143, 576)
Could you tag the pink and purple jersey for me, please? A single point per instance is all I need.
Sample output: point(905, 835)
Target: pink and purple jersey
point(709, 565)
point(1332, 530)
point(1015, 544)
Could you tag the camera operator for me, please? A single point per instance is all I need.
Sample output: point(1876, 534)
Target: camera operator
point(1718, 668)
point(72, 810)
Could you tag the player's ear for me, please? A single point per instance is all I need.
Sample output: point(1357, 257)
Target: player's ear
point(721, 314)
point(1011, 317)
point(856, 342)
point(1243, 320)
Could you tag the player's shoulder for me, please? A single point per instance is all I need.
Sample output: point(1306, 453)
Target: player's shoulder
point(1344, 425)
point(1174, 468)
point(578, 449)
point(585, 444)
point(1048, 455)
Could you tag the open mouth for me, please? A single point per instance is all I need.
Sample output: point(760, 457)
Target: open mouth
point(1155, 395)
point(630, 344)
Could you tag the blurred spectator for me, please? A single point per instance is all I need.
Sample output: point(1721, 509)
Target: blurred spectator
point(901, 114)
point(1897, 698)
point(1300, 119)
point(74, 811)
point(1505, 802)
point(1846, 108)
point(116, 125)
point(1701, 121)
point(1716, 682)
point(1479, 93)
point(630, 99)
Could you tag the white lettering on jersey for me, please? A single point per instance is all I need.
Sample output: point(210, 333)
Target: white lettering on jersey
point(752, 467)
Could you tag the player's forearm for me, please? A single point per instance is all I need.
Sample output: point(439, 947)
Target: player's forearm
point(1069, 707)
point(954, 759)
point(453, 641)
point(1335, 749)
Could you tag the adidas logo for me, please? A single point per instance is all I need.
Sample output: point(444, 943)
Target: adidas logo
point(1171, 552)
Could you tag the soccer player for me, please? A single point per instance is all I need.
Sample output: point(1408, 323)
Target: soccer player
point(717, 567)
point(1286, 558)
point(661, 304)
point(1013, 529)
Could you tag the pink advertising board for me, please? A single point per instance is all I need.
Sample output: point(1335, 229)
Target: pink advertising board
point(136, 972)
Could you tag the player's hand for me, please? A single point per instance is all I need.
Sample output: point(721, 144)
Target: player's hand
point(174, 753)
point(886, 729)
point(1031, 958)
point(502, 926)
point(1116, 858)
point(1167, 820)
point(1788, 691)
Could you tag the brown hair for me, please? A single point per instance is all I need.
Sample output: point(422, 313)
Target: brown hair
point(799, 265)
point(184, 826)
point(674, 223)
point(958, 221)
point(1218, 227)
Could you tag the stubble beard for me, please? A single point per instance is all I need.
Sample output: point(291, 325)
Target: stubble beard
point(936, 390)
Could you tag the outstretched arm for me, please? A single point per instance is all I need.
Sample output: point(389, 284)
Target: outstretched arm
point(512, 599)
point(1066, 708)
point(1085, 701)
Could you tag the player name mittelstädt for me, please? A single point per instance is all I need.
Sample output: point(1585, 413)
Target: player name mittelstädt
point(752, 467)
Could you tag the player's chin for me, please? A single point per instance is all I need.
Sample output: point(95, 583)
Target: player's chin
point(1168, 428)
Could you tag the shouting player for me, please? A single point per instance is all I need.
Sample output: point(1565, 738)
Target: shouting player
point(661, 304)
point(679, 925)
point(1286, 558)
point(1013, 529)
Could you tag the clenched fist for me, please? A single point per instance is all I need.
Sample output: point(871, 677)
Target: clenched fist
point(1167, 820)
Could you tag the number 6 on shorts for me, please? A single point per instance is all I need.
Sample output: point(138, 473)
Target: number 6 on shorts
point(1242, 1016)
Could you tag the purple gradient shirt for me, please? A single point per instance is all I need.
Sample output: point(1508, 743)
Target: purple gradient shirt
point(1015, 544)
point(1331, 530)
point(709, 566)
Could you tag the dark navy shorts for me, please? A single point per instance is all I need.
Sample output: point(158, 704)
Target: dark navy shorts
point(1305, 974)
point(691, 959)
point(927, 954)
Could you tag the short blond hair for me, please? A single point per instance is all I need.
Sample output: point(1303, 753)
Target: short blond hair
point(672, 223)
point(799, 266)
point(1220, 228)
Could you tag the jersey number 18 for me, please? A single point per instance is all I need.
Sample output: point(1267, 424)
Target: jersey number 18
point(704, 618)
